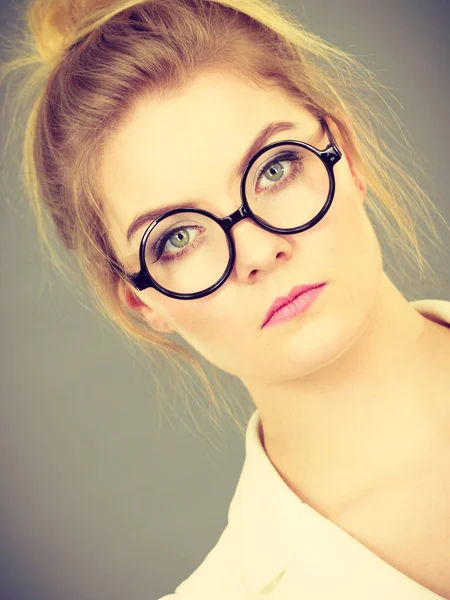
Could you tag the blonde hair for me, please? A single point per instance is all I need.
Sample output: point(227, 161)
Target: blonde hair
point(91, 61)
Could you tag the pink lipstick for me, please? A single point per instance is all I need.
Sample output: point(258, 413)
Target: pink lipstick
point(297, 301)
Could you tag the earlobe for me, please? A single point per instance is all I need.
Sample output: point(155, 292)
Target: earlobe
point(155, 320)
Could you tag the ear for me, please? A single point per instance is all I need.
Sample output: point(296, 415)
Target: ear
point(348, 142)
point(131, 300)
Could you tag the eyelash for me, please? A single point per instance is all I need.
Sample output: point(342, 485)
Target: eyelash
point(294, 157)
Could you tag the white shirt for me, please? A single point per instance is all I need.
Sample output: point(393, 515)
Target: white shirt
point(277, 547)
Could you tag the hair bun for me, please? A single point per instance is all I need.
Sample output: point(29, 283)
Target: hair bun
point(56, 24)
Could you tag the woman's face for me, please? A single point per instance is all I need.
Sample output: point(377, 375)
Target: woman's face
point(187, 146)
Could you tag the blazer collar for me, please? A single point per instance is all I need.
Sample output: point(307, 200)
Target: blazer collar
point(262, 515)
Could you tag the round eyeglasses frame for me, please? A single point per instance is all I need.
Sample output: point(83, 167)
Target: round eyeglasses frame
point(329, 156)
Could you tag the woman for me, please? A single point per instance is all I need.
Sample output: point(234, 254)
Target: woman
point(210, 164)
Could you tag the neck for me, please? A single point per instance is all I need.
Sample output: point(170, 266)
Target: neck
point(344, 429)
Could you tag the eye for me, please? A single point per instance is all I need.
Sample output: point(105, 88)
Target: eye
point(182, 239)
point(281, 169)
point(178, 238)
point(275, 171)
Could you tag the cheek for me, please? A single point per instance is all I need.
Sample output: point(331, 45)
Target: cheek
point(355, 259)
point(346, 227)
point(205, 318)
point(347, 245)
point(212, 324)
point(210, 328)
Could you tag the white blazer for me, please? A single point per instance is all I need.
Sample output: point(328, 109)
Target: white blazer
point(276, 547)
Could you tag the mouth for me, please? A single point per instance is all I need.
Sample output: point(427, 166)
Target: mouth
point(298, 300)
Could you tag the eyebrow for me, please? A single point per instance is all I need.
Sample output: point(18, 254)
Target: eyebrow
point(259, 141)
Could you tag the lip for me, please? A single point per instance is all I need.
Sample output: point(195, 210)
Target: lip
point(283, 300)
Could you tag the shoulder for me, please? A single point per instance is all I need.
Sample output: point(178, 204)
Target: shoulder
point(216, 577)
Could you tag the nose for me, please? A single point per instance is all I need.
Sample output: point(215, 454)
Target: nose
point(257, 250)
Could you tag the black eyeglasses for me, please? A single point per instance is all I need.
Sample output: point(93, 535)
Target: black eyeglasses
point(203, 252)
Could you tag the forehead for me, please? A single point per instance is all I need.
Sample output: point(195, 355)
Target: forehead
point(187, 144)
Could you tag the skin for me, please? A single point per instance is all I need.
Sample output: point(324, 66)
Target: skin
point(351, 393)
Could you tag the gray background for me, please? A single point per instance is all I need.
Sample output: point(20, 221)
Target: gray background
point(101, 497)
